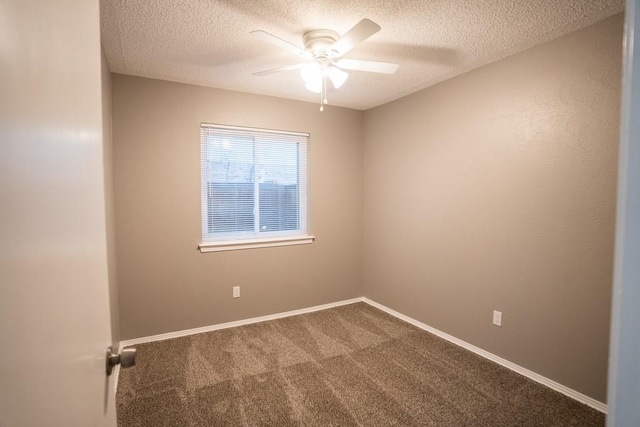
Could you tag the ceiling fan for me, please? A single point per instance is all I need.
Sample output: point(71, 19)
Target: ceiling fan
point(323, 51)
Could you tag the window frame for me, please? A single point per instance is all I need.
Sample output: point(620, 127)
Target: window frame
point(228, 242)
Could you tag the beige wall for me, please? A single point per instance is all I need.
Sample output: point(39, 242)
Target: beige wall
point(165, 283)
point(108, 195)
point(496, 190)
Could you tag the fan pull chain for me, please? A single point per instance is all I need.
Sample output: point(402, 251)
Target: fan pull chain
point(324, 81)
point(323, 92)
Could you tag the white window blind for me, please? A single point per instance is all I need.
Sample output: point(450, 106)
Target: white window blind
point(254, 183)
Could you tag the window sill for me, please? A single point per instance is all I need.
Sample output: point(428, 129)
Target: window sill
point(233, 245)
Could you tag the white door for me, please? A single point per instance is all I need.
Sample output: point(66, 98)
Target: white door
point(54, 303)
point(624, 355)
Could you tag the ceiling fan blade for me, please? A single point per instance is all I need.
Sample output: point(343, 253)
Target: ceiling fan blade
point(279, 69)
point(359, 33)
point(370, 66)
point(277, 41)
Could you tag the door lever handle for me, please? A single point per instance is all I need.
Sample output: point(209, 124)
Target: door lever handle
point(126, 358)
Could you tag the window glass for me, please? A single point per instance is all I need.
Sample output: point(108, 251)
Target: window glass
point(253, 183)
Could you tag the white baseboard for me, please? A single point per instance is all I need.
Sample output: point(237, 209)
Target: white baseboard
point(602, 407)
point(186, 332)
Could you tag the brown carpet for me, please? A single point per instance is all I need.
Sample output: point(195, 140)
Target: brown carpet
point(347, 366)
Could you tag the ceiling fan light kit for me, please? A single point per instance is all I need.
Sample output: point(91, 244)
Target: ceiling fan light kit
point(322, 50)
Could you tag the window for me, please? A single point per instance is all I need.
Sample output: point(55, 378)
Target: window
point(254, 188)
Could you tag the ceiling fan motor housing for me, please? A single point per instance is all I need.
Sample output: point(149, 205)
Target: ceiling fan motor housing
point(319, 43)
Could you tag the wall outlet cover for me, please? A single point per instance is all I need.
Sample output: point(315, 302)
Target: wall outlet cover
point(497, 318)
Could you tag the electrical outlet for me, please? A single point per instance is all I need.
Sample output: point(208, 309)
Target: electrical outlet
point(497, 318)
point(236, 291)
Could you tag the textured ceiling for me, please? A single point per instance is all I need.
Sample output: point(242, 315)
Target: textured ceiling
point(207, 42)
